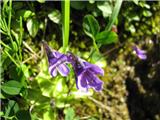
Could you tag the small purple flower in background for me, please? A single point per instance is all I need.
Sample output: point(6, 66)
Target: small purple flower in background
point(56, 61)
point(140, 53)
point(85, 74)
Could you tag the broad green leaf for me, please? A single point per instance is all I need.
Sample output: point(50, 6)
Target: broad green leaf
point(14, 46)
point(106, 37)
point(90, 26)
point(11, 109)
point(32, 26)
point(16, 73)
point(12, 87)
point(1, 113)
point(69, 114)
point(55, 16)
point(43, 79)
point(105, 7)
point(49, 115)
point(25, 70)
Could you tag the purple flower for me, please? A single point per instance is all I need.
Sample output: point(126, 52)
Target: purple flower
point(56, 62)
point(140, 53)
point(85, 74)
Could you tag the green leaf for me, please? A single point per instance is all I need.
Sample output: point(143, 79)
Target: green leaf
point(69, 114)
point(41, 1)
point(25, 14)
point(25, 70)
point(12, 87)
point(23, 115)
point(11, 108)
point(14, 46)
point(135, 1)
point(32, 26)
point(147, 13)
point(90, 26)
point(132, 29)
point(105, 7)
point(49, 115)
point(55, 16)
point(78, 5)
point(106, 37)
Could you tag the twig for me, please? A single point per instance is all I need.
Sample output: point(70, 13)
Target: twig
point(29, 48)
point(33, 56)
point(99, 104)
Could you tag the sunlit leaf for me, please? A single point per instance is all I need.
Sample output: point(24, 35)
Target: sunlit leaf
point(105, 37)
point(41, 1)
point(32, 26)
point(132, 29)
point(55, 16)
point(49, 115)
point(135, 1)
point(147, 13)
point(12, 87)
point(69, 114)
point(105, 7)
point(25, 13)
point(90, 26)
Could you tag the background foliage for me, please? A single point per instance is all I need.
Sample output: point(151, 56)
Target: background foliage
point(131, 86)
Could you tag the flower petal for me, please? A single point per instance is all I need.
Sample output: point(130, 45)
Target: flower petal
point(142, 56)
point(63, 69)
point(81, 83)
point(53, 72)
point(94, 68)
point(139, 51)
point(93, 80)
point(99, 87)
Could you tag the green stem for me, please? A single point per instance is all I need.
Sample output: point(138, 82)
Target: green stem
point(20, 38)
point(95, 45)
point(114, 14)
point(10, 14)
point(66, 23)
point(11, 58)
point(1, 42)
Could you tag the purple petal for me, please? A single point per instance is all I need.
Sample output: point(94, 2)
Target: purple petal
point(58, 63)
point(53, 72)
point(99, 87)
point(53, 63)
point(63, 69)
point(93, 81)
point(81, 83)
point(94, 68)
point(142, 56)
point(139, 51)
point(57, 54)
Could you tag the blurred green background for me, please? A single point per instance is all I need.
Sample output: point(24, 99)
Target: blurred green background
point(101, 32)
